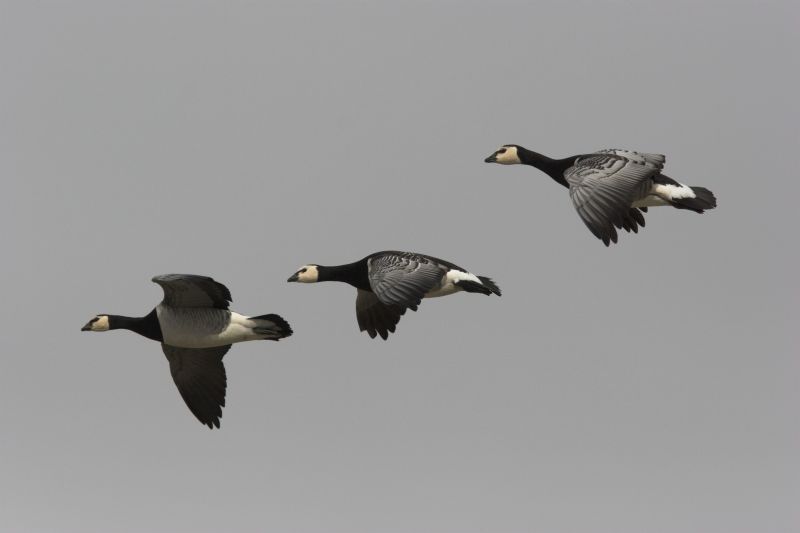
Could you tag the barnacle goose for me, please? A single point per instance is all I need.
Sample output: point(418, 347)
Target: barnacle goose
point(196, 329)
point(390, 282)
point(611, 188)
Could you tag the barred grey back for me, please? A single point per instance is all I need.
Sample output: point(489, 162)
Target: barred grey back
point(403, 278)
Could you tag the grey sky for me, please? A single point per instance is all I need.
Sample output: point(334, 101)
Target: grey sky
point(652, 386)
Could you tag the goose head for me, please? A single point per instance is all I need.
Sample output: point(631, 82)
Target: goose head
point(98, 323)
point(306, 274)
point(507, 154)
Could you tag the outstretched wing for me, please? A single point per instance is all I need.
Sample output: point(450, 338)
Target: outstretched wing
point(201, 380)
point(188, 290)
point(654, 160)
point(603, 186)
point(376, 318)
point(402, 278)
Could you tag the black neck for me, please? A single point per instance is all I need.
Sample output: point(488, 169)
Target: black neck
point(354, 274)
point(552, 167)
point(146, 326)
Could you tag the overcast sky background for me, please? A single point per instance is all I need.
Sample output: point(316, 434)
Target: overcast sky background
point(651, 386)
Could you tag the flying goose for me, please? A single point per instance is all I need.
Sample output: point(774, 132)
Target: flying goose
point(196, 329)
point(390, 282)
point(611, 188)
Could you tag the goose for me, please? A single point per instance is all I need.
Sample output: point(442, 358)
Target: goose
point(611, 188)
point(390, 282)
point(196, 329)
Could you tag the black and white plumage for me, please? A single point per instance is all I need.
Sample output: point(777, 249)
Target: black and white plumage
point(611, 189)
point(390, 282)
point(196, 329)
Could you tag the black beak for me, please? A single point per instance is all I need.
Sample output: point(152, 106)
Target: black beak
point(292, 278)
point(491, 159)
point(87, 327)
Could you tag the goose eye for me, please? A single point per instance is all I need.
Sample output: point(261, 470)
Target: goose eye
point(302, 270)
point(501, 151)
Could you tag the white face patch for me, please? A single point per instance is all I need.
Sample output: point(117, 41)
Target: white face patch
point(507, 155)
point(308, 274)
point(99, 324)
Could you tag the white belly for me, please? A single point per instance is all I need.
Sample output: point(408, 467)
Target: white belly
point(661, 194)
point(204, 328)
point(448, 285)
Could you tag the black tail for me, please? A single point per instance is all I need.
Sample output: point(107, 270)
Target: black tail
point(703, 199)
point(486, 286)
point(272, 325)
